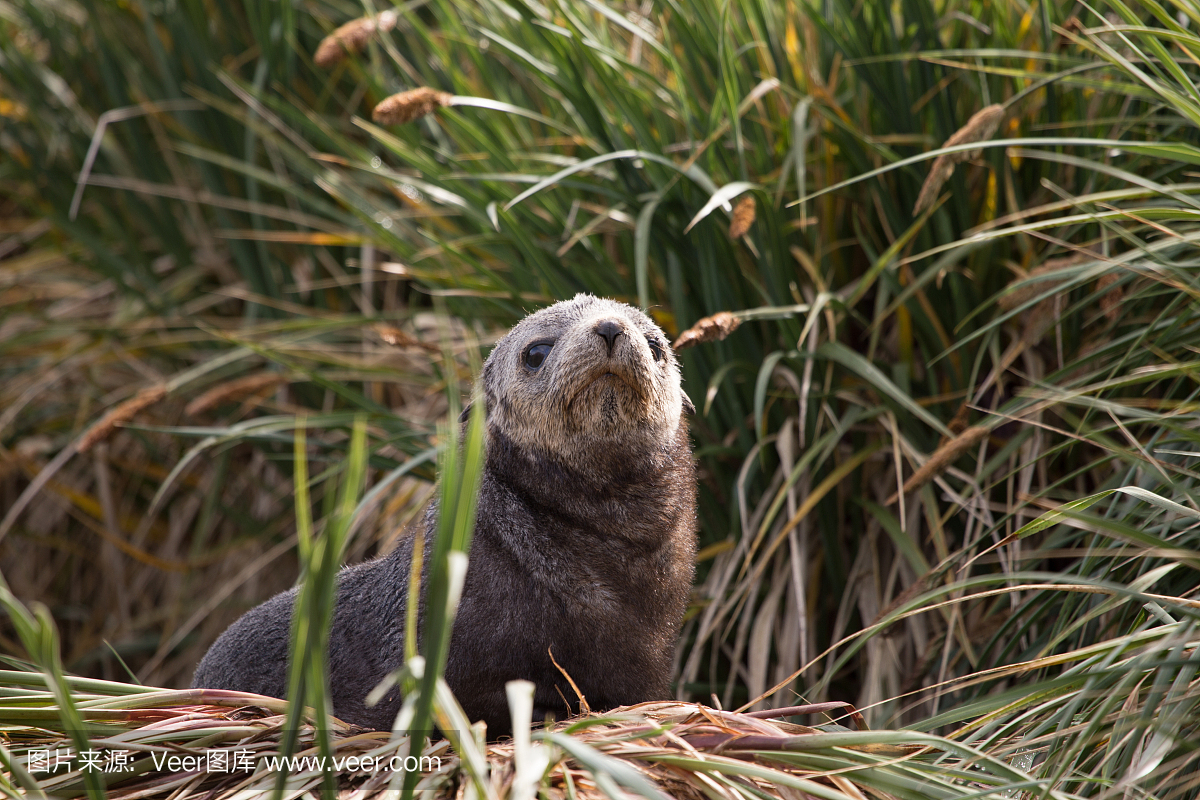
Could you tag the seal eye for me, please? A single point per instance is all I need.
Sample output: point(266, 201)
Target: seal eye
point(656, 348)
point(535, 356)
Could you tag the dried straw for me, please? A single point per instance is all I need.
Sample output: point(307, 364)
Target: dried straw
point(716, 327)
point(120, 415)
point(641, 739)
point(352, 38)
point(743, 217)
point(980, 127)
point(407, 106)
point(234, 390)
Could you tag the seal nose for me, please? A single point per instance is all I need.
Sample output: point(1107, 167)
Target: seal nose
point(610, 331)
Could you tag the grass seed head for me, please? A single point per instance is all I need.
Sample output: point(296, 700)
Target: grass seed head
point(408, 106)
point(351, 38)
point(234, 390)
point(943, 457)
point(743, 217)
point(959, 423)
point(1019, 294)
point(716, 327)
point(982, 126)
point(120, 415)
point(398, 338)
point(1110, 301)
point(979, 128)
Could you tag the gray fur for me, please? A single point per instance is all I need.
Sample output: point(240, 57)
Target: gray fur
point(584, 542)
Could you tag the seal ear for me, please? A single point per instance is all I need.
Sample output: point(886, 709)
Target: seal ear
point(689, 407)
point(465, 414)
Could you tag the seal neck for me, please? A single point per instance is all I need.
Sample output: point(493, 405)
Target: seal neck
point(619, 494)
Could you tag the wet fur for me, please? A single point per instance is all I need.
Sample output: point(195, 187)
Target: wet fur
point(584, 542)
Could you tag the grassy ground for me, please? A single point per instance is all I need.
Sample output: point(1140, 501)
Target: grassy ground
point(947, 432)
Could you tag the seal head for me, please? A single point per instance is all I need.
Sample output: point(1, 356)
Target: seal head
point(583, 377)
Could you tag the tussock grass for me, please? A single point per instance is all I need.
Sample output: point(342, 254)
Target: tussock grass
point(947, 458)
point(230, 743)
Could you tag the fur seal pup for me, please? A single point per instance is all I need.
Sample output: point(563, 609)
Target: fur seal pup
point(584, 543)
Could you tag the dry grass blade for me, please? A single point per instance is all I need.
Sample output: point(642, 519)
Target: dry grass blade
point(120, 415)
point(714, 328)
point(980, 127)
point(352, 37)
point(583, 703)
point(943, 457)
point(407, 106)
point(813, 708)
point(743, 217)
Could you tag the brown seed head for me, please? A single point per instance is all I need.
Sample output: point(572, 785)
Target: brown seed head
point(120, 415)
point(1023, 294)
point(351, 38)
point(743, 217)
point(1041, 317)
point(980, 127)
point(1110, 301)
point(943, 457)
point(234, 390)
point(407, 106)
point(959, 423)
point(716, 327)
point(399, 338)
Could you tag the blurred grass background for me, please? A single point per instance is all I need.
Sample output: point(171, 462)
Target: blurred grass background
point(192, 209)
